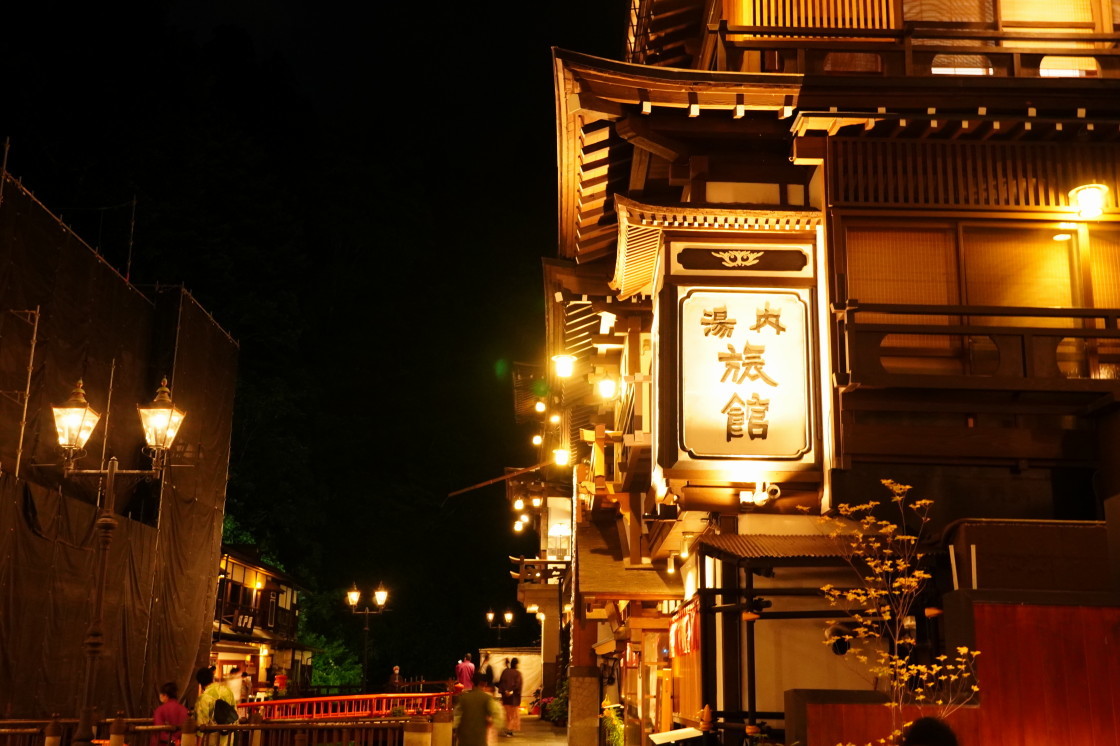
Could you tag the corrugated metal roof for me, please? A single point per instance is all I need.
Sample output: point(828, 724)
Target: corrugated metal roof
point(766, 546)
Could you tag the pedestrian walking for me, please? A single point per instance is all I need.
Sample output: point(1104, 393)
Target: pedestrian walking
point(475, 713)
point(212, 692)
point(169, 712)
point(464, 672)
point(509, 687)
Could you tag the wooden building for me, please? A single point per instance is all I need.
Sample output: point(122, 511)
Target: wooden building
point(806, 247)
point(256, 623)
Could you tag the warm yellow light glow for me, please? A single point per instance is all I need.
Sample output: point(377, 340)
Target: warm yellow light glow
point(1062, 236)
point(686, 540)
point(554, 418)
point(490, 617)
point(519, 504)
point(536, 502)
point(608, 387)
point(260, 584)
point(1068, 226)
point(537, 440)
point(540, 617)
point(264, 651)
point(1089, 199)
point(161, 419)
point(353, 596)
point(75, 420)
point(560, 457)
point(563, 365)
point(517, 526)
point(509, 617)
point(524, 518)
point(540, 406)
point(380, 596)
point(532, 608)
point(671, 565)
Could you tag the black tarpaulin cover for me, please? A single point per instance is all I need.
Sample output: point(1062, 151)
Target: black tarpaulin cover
point(163, 562)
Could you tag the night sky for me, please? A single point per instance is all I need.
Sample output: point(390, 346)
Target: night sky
point(361, 195)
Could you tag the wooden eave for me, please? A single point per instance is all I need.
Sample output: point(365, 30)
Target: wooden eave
point(592, 159)
point(667, 31)
point(1073, 98)
point(956, 125)
point(641, 226)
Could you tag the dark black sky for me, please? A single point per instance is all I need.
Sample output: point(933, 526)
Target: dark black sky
point(361, 194)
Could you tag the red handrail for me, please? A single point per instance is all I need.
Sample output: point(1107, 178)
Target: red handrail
point(356, 706)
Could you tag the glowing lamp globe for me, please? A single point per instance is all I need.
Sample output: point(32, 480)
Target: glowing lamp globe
point(564, 365)
point(1089, 199)
point(75, 420)
point(161, 419)
point(381, 596)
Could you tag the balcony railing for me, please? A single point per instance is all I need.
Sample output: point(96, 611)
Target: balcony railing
point(849, 36)
point(980, 347)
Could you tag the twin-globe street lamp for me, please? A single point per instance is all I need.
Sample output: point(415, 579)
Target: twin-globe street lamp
point(508, 617)
point(380, 598)
point(75, 421)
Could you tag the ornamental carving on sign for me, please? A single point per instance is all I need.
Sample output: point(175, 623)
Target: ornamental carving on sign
point(738, 257)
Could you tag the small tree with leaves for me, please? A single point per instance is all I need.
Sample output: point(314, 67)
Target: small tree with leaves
point(888, 560)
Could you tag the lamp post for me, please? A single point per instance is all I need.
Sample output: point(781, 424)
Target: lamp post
point(380, 598)
point(75, 421)
point(508, 617)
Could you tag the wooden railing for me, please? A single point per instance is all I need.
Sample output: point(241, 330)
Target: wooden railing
point(963, 175)
point(835, 14)
point(810, 35)
point(1043, 349)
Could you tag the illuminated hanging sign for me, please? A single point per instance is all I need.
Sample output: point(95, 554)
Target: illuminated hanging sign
point(744, 373)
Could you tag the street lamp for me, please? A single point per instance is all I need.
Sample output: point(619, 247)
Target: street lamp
point(508, 617)
point(74, 422)
point(380, 598)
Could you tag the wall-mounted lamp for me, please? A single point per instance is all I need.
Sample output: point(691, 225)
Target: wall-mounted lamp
point(563, 365)
point(561, 456)
point(536, 502)
point(518, 526)
point(1089, 199)
point(554, 419)
point(759, 494)
point(538, 439)
point(519, 504)
point(607, 387)
point(540, 406)
point(686, 544)
point(671, 565)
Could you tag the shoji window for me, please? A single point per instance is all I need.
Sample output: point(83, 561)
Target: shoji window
point(1017, 267)
point(911, 266)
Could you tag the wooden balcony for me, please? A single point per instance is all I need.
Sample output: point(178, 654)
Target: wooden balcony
point(872, 38)
point(980, 348)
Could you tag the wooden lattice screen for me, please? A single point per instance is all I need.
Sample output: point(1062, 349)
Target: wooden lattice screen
point(967, 175)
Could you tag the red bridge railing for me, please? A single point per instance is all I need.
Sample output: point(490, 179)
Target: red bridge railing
point(357, 706)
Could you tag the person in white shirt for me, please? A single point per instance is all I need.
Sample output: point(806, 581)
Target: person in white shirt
point(233, 681)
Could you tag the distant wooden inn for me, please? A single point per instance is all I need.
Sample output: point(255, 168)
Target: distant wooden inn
point(804, 248)
point(256, 622)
